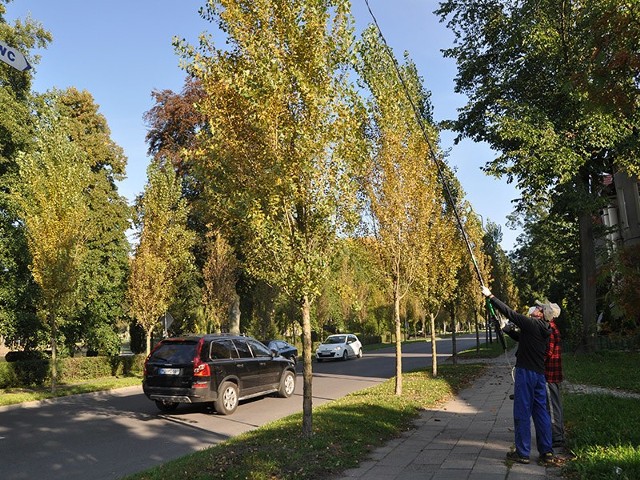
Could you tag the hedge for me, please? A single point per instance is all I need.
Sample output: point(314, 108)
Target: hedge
point(36, 373)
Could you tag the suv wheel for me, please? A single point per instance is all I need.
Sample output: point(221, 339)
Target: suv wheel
point(166, 406)
point(227, 399)
point(287, 384)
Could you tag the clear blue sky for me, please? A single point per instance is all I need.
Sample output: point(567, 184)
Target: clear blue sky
point(120, 51)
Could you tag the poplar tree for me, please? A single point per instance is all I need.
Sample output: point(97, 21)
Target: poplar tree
point(400, 182)
point(280, 137)
point(163, 252)
point(54, 178)
point(104, 270)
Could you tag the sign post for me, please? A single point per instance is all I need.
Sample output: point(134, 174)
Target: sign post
point(13, 57)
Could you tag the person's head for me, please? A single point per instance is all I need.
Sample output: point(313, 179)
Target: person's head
point(548, 310)
point(536, 311)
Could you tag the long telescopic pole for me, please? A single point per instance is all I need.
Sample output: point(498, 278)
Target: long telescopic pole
point(439, 168)
point(418, 115)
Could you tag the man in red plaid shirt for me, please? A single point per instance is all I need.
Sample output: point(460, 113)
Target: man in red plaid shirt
point(553, 373)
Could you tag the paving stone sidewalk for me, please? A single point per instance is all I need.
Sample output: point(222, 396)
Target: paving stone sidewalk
point(465, 439)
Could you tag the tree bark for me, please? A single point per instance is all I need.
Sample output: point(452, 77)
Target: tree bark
point(54, 352)
point(588, 281)
point(396, 315)
point(454, 330)
point(234, 315)
point(434, 350)
point(307, 370)
point(149, 333)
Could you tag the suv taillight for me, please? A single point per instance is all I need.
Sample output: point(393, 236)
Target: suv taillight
point(200, 369)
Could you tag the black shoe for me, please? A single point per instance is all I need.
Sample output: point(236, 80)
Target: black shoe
point(516, 457)
point(549, 460)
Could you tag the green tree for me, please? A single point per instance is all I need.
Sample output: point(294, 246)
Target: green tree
point(18, 291)
point(220, 276)
point(502, 283)
point(53, 208)
point(105, 266)
point(163, 251)
point(279, 138)
point(400, 181)
point(523, 65)
point(545, 264)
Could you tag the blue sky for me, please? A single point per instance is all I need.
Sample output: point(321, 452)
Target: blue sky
point(120, 51)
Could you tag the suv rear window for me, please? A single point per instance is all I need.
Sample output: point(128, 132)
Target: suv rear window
point(175, 352)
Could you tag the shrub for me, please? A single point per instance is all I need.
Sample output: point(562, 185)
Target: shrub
point(35, 373)
point(22, 355)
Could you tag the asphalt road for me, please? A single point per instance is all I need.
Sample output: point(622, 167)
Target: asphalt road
point(108, 435)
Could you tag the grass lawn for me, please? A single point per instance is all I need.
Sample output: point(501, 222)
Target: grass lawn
point(603, 430)
point(12, 396)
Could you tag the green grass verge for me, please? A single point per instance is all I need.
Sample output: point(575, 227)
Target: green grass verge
point(604, 433)
point(345, 430)
point(10, 396)
point(610, 369)
point(602, 430)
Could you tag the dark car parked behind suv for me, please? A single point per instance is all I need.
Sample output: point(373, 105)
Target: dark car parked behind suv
point(283, 348)
point(219, 369)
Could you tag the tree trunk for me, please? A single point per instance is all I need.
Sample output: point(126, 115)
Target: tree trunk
point(307, 371)
point(396, 316)
point(54, 352)
point(475, 313)
point(588, 281)
point(149, 333)
point(454, 330)
point(434, 350)
point(234, 315)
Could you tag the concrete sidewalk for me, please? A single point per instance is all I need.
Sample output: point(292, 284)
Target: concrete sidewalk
point(465, 439)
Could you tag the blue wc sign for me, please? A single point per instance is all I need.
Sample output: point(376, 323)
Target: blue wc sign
point(13, 57)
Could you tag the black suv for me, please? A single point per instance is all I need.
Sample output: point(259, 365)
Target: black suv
point(220, 369)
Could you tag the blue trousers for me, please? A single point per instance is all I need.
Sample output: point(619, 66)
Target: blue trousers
point(530, 401)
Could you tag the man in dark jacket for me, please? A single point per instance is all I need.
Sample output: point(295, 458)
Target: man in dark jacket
point(552, 367)
point(530, 394)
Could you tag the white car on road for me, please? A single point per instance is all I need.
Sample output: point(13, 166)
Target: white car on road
point(339, 346)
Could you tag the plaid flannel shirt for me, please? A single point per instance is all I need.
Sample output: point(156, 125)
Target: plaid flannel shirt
point(553, 359)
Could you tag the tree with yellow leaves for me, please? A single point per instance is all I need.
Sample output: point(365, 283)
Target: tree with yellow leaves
point(400, 182)
point(51, 195)
point(276, 155)
point(163, 252)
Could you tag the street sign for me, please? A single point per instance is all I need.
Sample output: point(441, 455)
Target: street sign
point(13, 57)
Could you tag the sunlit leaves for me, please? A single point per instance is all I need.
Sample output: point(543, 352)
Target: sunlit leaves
point(164, 251)
point(54, 179)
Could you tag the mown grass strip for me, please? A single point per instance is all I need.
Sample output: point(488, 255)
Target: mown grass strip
point(11, 396)
point(609, 369)
point(604, 433)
